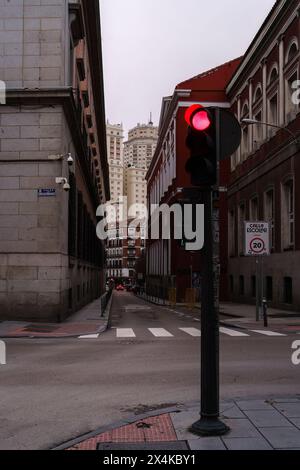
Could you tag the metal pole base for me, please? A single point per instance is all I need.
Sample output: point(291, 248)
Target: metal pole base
point(209, 427)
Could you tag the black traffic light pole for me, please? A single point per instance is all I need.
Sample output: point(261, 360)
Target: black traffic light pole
point(213, 135)
point(210, 424)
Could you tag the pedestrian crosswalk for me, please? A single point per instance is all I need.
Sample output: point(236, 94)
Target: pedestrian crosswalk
point(127, 333)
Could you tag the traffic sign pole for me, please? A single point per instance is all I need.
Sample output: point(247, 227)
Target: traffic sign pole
point(257, 243)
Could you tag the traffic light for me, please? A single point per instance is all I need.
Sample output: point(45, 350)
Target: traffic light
point(201, 141)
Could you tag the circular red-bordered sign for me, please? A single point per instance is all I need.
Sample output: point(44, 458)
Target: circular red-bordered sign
point(257, 245)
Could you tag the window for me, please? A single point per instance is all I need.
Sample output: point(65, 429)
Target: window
point(253, 286)
point(273, 114)
point(292, 51)
point(70, 299)
point(245, 133)
point(245, 142)
point(231, 284)
point(273, 77)
point(242, 285)
point(257, 130)
point(288, 215)
point(288, 290)
point(242, 218)
point(254, 209)
point(269, 210)
point(269, 288)
point(231, 235)
point(257, 94)
point(292, 108)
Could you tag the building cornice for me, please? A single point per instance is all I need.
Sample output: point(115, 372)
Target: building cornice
point(91, 14)
point(259, 42)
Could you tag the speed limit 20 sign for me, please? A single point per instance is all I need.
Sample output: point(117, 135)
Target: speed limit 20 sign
point(257, 238)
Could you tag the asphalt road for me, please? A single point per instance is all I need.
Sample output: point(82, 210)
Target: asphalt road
point(54, 390)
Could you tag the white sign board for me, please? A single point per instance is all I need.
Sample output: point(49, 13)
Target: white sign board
point(257, 238)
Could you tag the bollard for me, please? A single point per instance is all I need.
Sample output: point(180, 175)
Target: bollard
point(265, 311)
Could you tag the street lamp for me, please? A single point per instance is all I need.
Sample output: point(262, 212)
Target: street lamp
point(250, 122)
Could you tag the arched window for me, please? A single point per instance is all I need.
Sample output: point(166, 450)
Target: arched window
point(257, 94)
point(245, 110)
point(292, 51)
point(291, 106)
point(245, 132)
point(273, 77)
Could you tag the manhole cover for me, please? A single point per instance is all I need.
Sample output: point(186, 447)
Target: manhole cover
point(174, 445)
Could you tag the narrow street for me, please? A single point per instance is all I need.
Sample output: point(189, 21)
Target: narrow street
point(53, 390)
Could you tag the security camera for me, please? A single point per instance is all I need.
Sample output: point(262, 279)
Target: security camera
point(64, 182)
point(70, 159)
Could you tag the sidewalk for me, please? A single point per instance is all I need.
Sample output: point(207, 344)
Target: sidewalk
point(87, 321)
point(242, 315)
point(272, 424)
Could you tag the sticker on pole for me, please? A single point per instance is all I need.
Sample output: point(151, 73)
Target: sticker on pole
point(257, 239)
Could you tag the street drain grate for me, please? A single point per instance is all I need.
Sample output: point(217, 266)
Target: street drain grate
point(173, 445)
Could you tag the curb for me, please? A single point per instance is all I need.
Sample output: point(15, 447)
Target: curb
point(106, 313)
point(101, 329)
point(130, 420)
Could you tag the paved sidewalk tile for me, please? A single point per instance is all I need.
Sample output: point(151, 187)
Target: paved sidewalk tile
point(185, 418)
point(248, 405)
point(267, 419)
point(290, 410)
point(256, 443)
point(207, 443)
point(231, 411)
point(241, 428)
point(285, 400)
point(296, 422)
point(282, 438)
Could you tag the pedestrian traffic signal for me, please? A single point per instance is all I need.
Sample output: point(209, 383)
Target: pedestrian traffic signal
point(201, 141)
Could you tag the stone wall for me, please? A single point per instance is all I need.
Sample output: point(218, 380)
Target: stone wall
point(32, 43)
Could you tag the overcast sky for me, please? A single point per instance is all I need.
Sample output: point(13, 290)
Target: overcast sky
point(151, 45)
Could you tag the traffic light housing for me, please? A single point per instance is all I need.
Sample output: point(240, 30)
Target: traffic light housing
point(202, 164)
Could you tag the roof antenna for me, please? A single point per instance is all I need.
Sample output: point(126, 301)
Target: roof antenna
point(151, 122)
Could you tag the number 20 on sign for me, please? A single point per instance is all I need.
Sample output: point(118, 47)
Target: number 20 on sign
point(257, 238)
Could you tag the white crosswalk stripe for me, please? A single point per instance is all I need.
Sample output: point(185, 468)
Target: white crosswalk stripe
point(191, 331)
point(160, 332)
point(267, 333)
point(229, 332)
point(89, 336)
point(125, 333)
point(194, 332)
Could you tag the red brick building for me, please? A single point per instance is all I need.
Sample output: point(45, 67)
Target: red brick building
point(168, 265)
point(125, 247)
point(265, 171)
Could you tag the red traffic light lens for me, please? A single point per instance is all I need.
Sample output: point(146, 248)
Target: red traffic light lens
point(190, 111)
point(197, 117)
point(200, 121)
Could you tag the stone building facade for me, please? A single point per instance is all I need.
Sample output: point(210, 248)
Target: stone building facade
point(265, 171)
point(124, 252)
point(140, 146)
point(51, 262)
